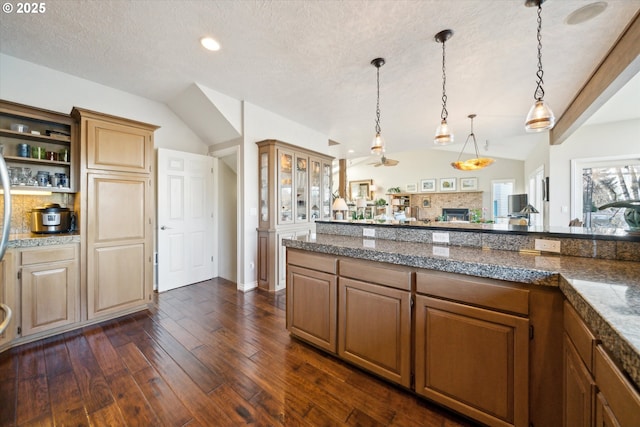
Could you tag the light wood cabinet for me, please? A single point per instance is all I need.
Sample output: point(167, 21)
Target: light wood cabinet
point(473, 360)
point(596, 392)
point(374, 329)
point(51, 146)
point(49, 288)
point(118, 257)
point(294, 190)
point(579, 387)
point(117, 199)
point(472, 347)
point(312, 298)
point(618, 402)
point(118, 145)
point(7, 297)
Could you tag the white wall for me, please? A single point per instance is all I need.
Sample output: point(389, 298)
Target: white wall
point(31, 84)
point(424, 164)
point(594, 141)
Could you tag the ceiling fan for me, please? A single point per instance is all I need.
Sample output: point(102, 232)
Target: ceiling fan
point(385, 162)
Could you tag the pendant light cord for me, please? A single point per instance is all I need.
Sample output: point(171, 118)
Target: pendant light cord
point(378, 101)
point(538, 95)
point(444, 114)
point(473, 136)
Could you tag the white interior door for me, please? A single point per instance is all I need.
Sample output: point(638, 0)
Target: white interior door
point(186, 233)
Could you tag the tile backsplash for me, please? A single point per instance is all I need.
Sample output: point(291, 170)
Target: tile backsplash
point(22, 205)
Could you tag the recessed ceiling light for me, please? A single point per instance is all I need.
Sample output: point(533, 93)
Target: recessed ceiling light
point(351, 151)
point(209, 43)
point(586, 13)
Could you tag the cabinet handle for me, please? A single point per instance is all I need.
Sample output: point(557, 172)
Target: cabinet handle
point(164, 227)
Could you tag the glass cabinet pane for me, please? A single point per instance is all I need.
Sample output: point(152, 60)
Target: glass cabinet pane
point(315, 188)
point(302, 194)
point(264, 187)
point(285, 179)
point(326, 191)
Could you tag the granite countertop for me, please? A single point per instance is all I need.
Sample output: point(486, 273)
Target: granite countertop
point(598, 233)
point(30, 240)
point(606, 293)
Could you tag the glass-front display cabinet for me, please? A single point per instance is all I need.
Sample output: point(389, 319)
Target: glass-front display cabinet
point(294, 191)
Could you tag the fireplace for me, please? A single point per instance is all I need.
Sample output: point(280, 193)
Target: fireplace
point(455, 214)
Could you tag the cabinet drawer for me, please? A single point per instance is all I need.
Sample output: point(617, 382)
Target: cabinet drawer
point(580, 335)
point(621, 397)
point(319, 262)
point(373, 272)
point(50, 254)
point(476, 291)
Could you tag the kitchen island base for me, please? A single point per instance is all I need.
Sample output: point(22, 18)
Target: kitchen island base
point(484, 348)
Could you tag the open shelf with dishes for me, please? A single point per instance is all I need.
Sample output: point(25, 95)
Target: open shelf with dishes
point(38, 147)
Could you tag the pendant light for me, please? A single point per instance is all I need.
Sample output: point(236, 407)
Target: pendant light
point(471, 164)
point(443, 133)
point(377, 146)
point(540, 116)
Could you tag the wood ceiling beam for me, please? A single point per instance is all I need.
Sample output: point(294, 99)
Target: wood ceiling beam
point(621, 63)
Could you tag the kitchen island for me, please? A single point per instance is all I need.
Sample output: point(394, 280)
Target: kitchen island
point(603, 289)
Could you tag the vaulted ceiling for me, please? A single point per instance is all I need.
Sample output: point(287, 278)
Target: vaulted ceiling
point(310, 60)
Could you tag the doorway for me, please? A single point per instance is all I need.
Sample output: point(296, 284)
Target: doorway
point(227, 172)
point(227, 207)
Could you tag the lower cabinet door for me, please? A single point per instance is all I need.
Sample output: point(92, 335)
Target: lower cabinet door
point(604, 415)
point(579, 389)
point(49, 294)
point(117, 276)
point(473, 360)
point(311, 306)
point(374, 329)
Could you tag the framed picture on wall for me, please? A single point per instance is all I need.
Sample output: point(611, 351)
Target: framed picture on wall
point(447, 184)
point(360, 189)
point(428, 185)
point(412, 188)
point(468, 184)
point(426, 202)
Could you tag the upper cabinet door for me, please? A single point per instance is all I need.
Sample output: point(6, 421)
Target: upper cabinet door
point(116, 147)
point(285, 185)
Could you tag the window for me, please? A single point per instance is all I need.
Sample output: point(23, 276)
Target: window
point(606, 182)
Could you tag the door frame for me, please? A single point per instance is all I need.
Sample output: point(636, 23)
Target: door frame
point(217, 154)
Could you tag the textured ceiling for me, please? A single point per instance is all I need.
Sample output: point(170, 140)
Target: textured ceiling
point(310, 60)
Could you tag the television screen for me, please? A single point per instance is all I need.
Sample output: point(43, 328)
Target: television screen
point(516, 203)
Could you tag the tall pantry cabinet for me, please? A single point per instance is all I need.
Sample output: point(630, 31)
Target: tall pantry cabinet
point(117, 196)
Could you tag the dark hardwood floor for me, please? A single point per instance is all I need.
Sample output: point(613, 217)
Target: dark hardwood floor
point(204, 355)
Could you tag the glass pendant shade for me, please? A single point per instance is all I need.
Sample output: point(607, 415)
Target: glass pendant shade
point(475, 163)
point(377, 145)
point(540, 117)
point(443, 134)
point(472, 164)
